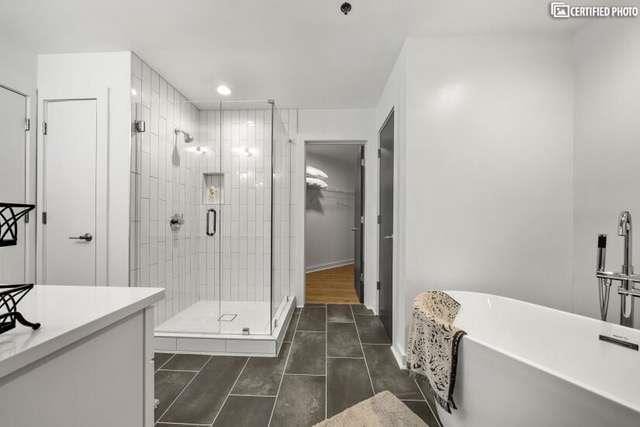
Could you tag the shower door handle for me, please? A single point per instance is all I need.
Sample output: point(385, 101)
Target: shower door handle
point(215, 222)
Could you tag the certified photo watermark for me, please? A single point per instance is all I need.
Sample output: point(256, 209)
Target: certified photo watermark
point(562, 10)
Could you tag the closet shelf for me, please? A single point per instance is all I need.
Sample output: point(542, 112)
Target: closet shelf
point(10, 213)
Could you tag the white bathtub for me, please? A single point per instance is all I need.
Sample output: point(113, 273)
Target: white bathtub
point(523, 364)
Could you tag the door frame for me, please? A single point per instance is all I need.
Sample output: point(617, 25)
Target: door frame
point(354, 142)
point(101, 184)
point(28, 182)
point(394, 256)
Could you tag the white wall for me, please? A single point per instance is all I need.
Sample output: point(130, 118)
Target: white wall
point(607, 150)
point(330, 212)
point(332, 126)
point(487, 169)
point(18, 71)
point(81, 75)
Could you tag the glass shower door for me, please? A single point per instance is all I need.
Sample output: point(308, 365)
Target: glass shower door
point(245, 217)
point(213, 198)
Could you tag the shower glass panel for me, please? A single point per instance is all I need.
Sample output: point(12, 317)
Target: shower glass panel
point(207, 177)
point(281, 211)
point(245, 215)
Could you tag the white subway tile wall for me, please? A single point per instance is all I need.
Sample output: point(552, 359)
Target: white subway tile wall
point(168, 177)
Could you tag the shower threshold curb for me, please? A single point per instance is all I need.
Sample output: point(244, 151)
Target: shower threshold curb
point(228, 344)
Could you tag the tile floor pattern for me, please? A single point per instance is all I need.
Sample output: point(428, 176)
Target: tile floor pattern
point(334, 356)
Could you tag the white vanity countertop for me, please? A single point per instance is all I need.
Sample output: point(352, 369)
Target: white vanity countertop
point(67, 314)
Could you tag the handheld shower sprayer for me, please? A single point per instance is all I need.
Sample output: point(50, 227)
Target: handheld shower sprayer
point(602, 252)
point(604, 285)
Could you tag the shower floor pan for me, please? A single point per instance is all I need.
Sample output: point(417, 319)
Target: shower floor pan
point(212, 327)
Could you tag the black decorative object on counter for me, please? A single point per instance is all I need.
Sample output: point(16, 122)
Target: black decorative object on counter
point(10, 213)
point(10, 296)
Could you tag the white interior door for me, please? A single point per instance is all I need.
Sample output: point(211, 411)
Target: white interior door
point(69, 187)
point(13, 166)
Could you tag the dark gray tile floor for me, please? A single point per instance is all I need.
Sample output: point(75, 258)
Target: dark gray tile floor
point(334, 357)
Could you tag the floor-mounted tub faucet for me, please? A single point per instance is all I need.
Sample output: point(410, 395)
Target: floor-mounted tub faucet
point(627, 279)
point(626, 302)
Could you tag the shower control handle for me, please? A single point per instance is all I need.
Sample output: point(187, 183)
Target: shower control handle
point(215, 222)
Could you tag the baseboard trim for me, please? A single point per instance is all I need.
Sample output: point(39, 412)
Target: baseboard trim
point(328, 266)
point(401, 357)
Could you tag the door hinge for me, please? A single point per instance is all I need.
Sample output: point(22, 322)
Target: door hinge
point(379, 153)
point(140, 126)
point(361, 162)
point(378, 285)
point(361, 220)
point(27, 125)
point(379, 219)
point(44, 218)
point(44, 128)
point(362, 277)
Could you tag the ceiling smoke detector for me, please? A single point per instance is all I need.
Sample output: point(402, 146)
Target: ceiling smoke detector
point(345, 8)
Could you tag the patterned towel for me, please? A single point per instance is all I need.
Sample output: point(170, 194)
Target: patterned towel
point(433, 343)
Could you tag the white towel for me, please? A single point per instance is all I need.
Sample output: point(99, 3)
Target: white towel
point(433, 343)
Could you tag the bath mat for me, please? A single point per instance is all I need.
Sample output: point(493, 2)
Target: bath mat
point(381, 410)
point(433, 343)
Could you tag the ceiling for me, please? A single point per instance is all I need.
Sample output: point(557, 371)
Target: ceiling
point(303, 53)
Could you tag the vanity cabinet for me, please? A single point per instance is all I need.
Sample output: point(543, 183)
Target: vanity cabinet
point(90, 364)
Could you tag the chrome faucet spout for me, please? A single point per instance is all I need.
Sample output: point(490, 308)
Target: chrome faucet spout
point(624, 230)
point(626, 301)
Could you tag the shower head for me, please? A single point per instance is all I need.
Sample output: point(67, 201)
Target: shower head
point(187, 137)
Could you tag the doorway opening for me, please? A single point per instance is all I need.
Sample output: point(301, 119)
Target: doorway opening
point(334, 222)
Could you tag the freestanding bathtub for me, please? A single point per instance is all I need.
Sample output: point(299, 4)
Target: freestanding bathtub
point(522, 364)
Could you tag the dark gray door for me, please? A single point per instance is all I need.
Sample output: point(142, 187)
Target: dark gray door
point(358, 225)
point(385, 227)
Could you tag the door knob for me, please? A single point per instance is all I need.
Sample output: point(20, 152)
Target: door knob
point(390, 236)
point(87, 237)
point(354, 228)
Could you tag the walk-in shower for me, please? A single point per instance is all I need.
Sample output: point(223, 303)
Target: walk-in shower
point(226, 267)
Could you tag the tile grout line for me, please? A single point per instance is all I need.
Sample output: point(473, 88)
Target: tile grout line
point(377, 343)
point(303, 375)
point(373, 390)
point(435, 415)
point(326, 361)
point(246, 362)
point(183, 389)
point(286, 362)
point(251, 395)
point(182, 424)
point(165, 362)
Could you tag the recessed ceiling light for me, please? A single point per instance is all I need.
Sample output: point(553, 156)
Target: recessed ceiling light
point(224, 90)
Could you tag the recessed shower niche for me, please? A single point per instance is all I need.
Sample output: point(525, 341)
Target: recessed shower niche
point(213, 189)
